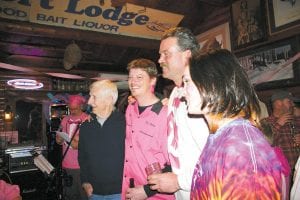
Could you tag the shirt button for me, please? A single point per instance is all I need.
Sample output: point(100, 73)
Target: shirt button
point(130, 146)
point(126, 160)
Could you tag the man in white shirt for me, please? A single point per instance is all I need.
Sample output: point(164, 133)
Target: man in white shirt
point(186, 135)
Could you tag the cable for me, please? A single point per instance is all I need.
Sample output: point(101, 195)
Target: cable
point(8, 177)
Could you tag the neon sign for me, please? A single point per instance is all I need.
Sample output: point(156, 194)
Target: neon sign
point(26, 84)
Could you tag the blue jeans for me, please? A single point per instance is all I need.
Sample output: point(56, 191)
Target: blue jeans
point(105, 197)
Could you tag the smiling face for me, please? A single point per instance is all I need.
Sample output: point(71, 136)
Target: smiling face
point(172, 60)
point(191, 94)
point(139, 82)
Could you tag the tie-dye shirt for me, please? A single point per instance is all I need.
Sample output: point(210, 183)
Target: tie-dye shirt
point(237, 163)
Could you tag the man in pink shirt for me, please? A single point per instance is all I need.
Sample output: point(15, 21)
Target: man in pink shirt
point(70, 125)
point(146, 132)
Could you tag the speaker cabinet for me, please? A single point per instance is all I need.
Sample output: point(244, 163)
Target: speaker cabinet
point(33, 184)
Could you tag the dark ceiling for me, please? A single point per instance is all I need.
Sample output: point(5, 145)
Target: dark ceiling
point(101, 52)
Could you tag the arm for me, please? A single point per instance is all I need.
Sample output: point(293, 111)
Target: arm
point(145, 191)
point(88, 188)
point(75, 141)
point(196, 133)
point(164, 182)
point(150, 191)
point(277, 123)
point(83, 165)
point(59, 140)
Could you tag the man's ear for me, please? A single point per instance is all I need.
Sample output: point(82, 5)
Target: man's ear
point(188, 53)
point(111, 100)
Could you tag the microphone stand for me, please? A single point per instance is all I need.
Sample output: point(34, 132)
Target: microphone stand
point(59, 172)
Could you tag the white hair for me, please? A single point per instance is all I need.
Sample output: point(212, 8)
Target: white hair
point(106, 88)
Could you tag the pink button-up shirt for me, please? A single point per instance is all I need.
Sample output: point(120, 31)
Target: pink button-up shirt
point(70, 124)
point(145, 143)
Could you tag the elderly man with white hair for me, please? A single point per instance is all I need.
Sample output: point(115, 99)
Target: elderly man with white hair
point(101, 144)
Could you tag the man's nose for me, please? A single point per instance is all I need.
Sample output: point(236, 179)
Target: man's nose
point(160, 59)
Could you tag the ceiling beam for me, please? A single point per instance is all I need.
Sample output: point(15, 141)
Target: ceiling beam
point(219, 3)
point(32, 29)
point(21, 49)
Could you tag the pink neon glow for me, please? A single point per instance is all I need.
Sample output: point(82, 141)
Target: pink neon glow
point(26, 84)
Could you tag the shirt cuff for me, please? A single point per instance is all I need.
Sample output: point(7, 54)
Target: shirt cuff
point(167, 168)
point(148, 191)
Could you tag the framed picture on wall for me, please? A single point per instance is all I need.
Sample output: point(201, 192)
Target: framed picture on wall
point(272, 63)
point(247, 22)
point(283, 15)
point(217, 37)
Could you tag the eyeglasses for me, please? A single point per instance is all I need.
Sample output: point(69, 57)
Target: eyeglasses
point(135, 78)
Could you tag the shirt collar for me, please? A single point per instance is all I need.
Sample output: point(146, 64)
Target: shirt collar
point(157, 107)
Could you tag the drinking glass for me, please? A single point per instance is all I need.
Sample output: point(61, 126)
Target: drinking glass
point(153, 168)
